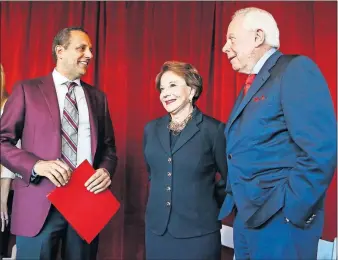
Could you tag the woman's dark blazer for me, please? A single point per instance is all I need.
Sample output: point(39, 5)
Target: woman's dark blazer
point(182, 180)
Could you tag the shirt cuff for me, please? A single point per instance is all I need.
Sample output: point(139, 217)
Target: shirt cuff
point(5, 173)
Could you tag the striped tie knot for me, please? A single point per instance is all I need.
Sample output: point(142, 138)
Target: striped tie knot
point(71, 85)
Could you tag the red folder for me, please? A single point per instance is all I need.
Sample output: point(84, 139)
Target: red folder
point(85, 211)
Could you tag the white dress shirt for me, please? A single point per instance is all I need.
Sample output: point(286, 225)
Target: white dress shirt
point(84, 150)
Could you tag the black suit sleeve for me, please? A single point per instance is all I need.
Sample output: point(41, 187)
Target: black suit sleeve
point(144, 146)
point(219, 147)
point(108, 158)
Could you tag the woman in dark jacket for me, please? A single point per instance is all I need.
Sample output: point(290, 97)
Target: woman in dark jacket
point(183, 151)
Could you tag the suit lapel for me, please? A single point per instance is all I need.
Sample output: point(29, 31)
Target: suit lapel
point(48, 90)
point(259, 81)
point(163, 134)
point(91, 103)
point(238, 101)
point(189, 131)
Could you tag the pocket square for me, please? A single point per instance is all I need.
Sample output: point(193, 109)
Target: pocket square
point(256, 99)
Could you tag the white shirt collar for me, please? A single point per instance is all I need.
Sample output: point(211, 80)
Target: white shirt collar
point(262, 60)
point(60, 79)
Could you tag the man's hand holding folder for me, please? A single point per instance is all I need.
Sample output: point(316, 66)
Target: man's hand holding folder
point(99, 181)
point(85, 202)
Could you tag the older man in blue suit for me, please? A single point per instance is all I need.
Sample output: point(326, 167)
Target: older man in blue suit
point(281, 144)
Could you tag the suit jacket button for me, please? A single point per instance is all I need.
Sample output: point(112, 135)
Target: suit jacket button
point(169, 174)
point(229, 156)
point(168, 204)
point(169, 160)
point(168, 188)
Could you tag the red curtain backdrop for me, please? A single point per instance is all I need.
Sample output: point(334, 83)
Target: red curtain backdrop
point(131, 41)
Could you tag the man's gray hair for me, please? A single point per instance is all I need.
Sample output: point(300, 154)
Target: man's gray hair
point(255, 18)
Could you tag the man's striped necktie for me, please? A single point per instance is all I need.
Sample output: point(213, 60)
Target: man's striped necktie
point(69, 127)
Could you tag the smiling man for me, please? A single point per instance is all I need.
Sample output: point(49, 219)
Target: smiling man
point(61, 121)
point(281, 144)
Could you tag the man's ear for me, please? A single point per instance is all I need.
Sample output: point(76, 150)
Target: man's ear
point(259, 37)
point(59, 51)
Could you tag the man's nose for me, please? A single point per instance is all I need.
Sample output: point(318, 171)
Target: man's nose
point(89, 54)
point(226, 47)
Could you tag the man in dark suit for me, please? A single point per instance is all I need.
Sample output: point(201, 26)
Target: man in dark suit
point(281, 144)
point(61, 122)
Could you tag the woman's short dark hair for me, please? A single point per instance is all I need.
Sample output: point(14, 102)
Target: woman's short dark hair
point(185, 70)
point(63, 38)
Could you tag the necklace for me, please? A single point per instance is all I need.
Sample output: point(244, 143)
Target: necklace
point(177, 127)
